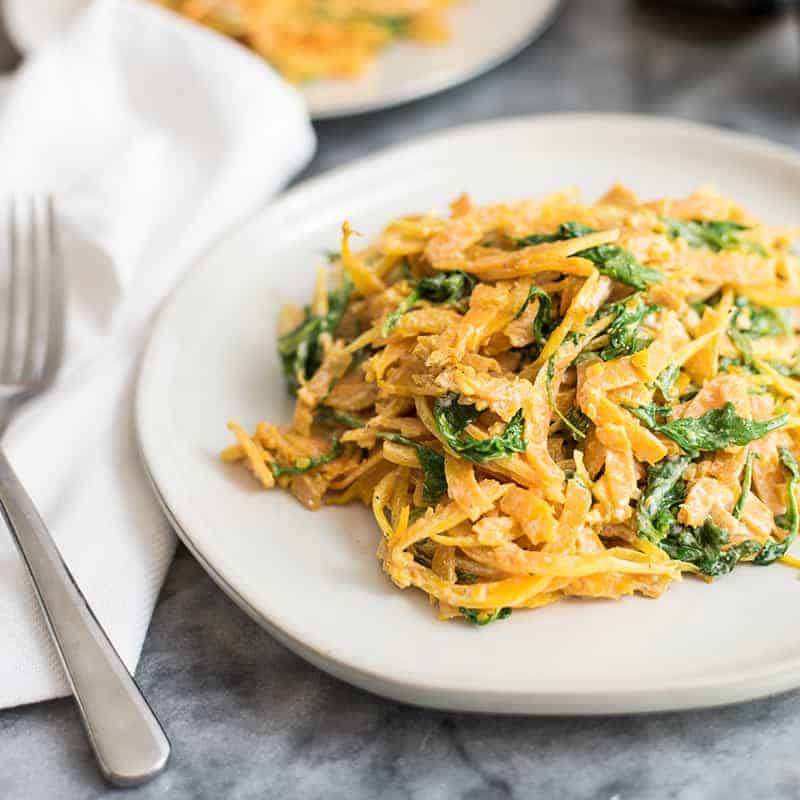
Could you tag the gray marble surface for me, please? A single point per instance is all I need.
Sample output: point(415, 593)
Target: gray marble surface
point(250, 720)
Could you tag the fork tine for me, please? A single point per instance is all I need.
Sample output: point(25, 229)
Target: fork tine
point(7, 371)
point(56, 300)
point(34, 302)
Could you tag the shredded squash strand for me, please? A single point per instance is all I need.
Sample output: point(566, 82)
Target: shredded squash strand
point(549, 399)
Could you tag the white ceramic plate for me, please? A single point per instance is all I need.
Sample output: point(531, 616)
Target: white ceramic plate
point(312, 579)
point(484, 34)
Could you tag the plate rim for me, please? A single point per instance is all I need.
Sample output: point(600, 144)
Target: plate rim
point(547, 701)
point(599, 697)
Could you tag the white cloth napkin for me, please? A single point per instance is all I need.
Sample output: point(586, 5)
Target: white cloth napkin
point(155, 136)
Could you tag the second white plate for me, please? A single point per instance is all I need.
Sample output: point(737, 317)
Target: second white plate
point(312, 579)
point(484, 34)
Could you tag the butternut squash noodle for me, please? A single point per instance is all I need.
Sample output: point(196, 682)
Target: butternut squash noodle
point(550, 399)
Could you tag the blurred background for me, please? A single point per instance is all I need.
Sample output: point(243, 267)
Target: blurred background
point(737, 69)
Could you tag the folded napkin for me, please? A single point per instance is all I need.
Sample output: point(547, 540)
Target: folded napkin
point(154, 135)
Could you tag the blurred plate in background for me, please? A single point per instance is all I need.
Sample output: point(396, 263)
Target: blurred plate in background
point(484, 34)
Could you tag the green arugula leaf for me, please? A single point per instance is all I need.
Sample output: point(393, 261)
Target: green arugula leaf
point(453, 417)
point(650, 413)
point(665, 491)
point(302, 465)
point(665, 380)
point(299, 349)
point(578, 424)
point(464, 577)
point(432, 463)
point(745, 349)
point(715, 235)
point(610, 260)
point(574, 430)
point(746, 359)
point(330, 416)
point(755, 321)
point(621, 265)
point(745, 363)
point(623, 333)
point(456, 415)
point(481, 617)
point(656, 520)
point(403, 307)
point(703, 547)
point(443, 288)
point(714, 430)
point(566, 230)
point(543, 323)
point(747, 481)
point(447, 287)
point(790, 521)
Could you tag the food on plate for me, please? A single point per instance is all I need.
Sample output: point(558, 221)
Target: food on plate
point(309, 39)
point(547, 399)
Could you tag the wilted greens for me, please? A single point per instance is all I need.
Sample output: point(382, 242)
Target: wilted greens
point(453, 417)
point(543, 323)
point(479, 617)
point(747, 482)
point(566, 230)
point(714, 430)
point(703, 547)
point(302, 465)
point(610, 260)
point(715, 235)
point(755, 321)
point(624, 337)
point(576, 431)
point(665, 380)
point(300, 352)
point(432, 463)
point(331, 416)
point(444, 288)
point(790, 521)
point(621, 265)
point(665, 491)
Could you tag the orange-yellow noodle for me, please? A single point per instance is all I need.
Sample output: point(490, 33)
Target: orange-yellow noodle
point(547, 399)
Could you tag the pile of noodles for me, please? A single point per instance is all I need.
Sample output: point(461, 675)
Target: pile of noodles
point(593, 500)
point(309, 39)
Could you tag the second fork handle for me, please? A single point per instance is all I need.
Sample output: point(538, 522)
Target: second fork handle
point(130, 744)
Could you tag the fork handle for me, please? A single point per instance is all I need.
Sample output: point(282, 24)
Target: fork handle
point(129, 742)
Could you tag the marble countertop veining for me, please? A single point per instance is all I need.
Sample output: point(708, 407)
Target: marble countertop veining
point(248, 719)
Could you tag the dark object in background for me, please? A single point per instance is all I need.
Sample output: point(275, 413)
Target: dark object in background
point(735, 6)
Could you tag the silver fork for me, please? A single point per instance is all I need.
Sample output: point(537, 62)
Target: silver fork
point(128, 741)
